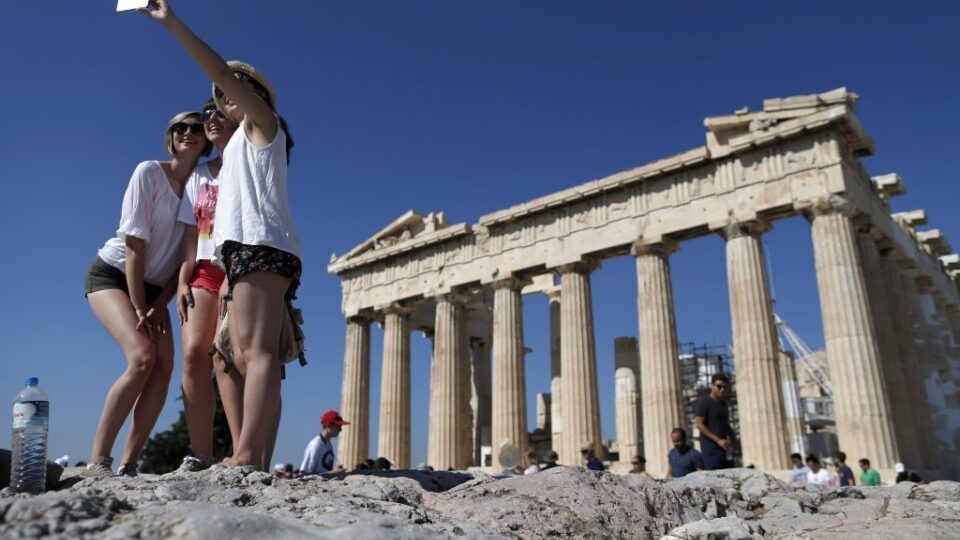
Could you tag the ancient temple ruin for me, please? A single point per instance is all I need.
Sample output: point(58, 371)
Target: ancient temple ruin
point(888, 294)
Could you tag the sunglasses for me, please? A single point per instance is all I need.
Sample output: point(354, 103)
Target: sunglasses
point(182, 127)
point(721, 386)
point(209, 114)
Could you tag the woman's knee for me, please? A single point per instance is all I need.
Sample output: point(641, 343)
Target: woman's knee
point(196, 361)
point(141, 361)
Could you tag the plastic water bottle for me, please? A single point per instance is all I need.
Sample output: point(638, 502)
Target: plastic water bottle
point(31, 414)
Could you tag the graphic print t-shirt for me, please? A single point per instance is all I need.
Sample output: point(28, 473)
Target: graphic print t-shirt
point(199, 207)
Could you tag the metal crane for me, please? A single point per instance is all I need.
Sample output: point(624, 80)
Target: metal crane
point(804, 356)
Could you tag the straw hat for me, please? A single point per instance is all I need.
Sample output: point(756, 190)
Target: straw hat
point(250, 71)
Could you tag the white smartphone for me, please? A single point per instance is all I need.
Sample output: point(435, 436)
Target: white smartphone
point(130, 5)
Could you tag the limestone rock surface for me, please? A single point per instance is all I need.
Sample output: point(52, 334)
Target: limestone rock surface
point(561, 502)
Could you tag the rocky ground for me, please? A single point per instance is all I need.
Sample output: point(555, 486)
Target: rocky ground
point(562, 502)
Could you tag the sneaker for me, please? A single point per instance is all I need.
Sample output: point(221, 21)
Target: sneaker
point(128, 470)
point(102, 468)
point(193, 463)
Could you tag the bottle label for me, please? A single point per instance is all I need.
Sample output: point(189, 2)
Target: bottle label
point(27, 414)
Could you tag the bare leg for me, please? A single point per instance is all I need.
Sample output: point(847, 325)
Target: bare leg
point(153, 397)
point(268, 450)
point(231, 394)
point(113, 309)
point(198, 401)
point(255, 322)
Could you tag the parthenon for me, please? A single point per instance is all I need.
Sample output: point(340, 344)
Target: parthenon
point(463, 285)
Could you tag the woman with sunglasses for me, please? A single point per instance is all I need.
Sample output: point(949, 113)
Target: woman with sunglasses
point(255, 236)
point(129, 285)
point(198, 300)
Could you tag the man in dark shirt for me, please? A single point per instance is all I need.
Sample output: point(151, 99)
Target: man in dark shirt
point(713, 422)
point(591, 460)
point(683, 457)
point(843, 471)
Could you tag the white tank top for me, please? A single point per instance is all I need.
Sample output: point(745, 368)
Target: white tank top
point(252, 206)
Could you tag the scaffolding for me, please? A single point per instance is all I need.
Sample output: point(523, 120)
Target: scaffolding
point(698, 363)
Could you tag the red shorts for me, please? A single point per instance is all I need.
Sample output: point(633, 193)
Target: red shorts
point(207, 275)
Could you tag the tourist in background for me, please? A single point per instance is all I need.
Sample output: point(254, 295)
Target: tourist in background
point(255, 237)
point(817, 475)
point(533, 465)
point(844, 471)
point(683, 458)
point(713, 423)
point(869, 477)
point(129, 285)
point(319, 458)
point(798, 474)
point(198, 302)
point(638, 465)
point(590, 459)
point(550, 460)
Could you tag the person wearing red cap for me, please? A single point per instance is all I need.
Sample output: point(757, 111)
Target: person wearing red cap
point(318, 457)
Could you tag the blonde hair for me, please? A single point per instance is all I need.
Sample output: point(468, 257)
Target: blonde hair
point(168, 134)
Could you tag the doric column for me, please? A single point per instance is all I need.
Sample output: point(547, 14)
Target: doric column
point(859, 397)
point(659, 365)
point(509, 404)
point(394, 438)
point(892, 368)
point(580, 405)
point(355, 393)
point(629, 420)
point(793, 412)
point(921, 371)
point(755, 350)
point(444, 448)
point(465, 428)
point(480, 349)
point(555, 417)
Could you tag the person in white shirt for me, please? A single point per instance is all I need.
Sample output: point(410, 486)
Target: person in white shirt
point(798, 474)
point(319, 458)
point(129, 285)
point(817, 475)
point(255, 237)
point(198, 302)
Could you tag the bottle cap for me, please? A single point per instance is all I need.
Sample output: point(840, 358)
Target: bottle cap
point(31, 381)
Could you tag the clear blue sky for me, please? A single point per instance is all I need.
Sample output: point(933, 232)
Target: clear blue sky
point(465, 107)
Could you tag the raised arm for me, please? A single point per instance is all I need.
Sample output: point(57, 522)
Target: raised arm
point(258, 115)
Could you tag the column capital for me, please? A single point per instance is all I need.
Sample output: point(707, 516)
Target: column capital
point(587, 265)
point(553, 294)
point(752, 227)
point(833, 204)
point(398, 308)
point(512, 282)
point(662, 248)
point(360, 319)
point(454, 297)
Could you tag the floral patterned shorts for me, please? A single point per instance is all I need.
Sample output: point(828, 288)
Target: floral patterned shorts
point(241, 259)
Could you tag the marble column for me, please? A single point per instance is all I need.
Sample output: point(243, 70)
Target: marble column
point(793, 411)
point(920, 371)
point(555, 418)
point(756, 351)
point(859, 397)
point(659, 365)
point(466, 374)
point(627, 390)
point(509, 404)
point(394, 437)
point(892, 367)
point(444, 445)
point(580, 400)
point(480, 349)
point(355, 393)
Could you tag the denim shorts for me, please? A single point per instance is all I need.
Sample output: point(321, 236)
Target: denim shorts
point(101, 276)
